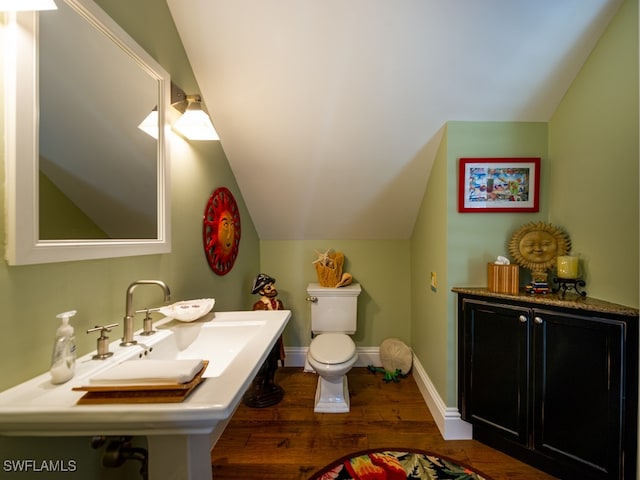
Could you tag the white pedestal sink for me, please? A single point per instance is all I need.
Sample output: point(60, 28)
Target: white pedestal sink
point(180, 435)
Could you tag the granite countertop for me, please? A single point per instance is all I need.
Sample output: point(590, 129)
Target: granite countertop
point(570, 300)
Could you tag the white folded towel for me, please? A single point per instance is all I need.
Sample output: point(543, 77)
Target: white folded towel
point(149, 372)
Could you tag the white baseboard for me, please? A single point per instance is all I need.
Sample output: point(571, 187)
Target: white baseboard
point(451, 426)
point(297, 356)
point(448, 420)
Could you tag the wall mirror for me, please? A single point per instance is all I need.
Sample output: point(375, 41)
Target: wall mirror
point(83, 181)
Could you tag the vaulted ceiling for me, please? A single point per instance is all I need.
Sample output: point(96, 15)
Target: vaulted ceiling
point(329, 111)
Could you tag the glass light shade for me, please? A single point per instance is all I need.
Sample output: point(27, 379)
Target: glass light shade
point(26, 5)
point(150, 124)
point(195, 124)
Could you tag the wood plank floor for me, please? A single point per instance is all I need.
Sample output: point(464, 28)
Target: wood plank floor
point(290, 442)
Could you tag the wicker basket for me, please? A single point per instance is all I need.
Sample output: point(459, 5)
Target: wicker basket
point(330, 275)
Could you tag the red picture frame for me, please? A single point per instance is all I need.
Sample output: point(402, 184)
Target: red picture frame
point(487, 185)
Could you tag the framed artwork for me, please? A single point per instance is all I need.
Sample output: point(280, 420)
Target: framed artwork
point(488, 185)
point(221, 231)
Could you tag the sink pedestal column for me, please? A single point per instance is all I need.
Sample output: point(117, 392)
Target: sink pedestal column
point(182, 457)
point(179, 457)
point(264, 392)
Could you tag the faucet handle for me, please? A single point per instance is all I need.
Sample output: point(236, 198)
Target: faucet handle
point(148, 310)
point(103, 341)
point(103, 328)
point(147, 323)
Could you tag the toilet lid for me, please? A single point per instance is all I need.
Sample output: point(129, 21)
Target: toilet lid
point(332, 348)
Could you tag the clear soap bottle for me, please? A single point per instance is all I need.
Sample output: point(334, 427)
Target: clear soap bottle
point(63, 360)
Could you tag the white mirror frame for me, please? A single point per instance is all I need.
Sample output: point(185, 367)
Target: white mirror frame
point(23, 246)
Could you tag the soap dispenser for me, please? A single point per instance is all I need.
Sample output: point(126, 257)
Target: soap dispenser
point(63, 360)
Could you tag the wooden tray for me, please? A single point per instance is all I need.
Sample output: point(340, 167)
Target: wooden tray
point(174, 393)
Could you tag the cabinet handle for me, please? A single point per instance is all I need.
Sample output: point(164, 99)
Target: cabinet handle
point(538, 320)
point(523, 318)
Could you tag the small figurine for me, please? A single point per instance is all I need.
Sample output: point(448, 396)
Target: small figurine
point(264, 392)
point(263, 285)
point(388, 376)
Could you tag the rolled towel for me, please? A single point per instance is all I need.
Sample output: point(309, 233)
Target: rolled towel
point(149, 372)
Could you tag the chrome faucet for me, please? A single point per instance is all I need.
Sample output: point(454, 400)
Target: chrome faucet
point(127, 339)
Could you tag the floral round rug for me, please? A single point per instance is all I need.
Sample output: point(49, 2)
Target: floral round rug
point(390, 464)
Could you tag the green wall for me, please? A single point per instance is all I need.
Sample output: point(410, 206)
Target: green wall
point(380, 266)
point(458, 246)
point(592, 135)
point(589, 187)
point(593, 147)
point(430, 334)
point(31, 296)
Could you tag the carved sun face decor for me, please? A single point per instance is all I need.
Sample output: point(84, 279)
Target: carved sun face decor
point(221, 231)
point(535, 246)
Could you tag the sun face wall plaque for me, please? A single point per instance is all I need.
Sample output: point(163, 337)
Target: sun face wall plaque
point(535, 246)
point(221, 231)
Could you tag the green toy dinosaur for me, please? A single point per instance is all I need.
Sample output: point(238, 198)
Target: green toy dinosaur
point(388, 376)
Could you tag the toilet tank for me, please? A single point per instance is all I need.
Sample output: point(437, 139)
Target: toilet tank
point(334, 310)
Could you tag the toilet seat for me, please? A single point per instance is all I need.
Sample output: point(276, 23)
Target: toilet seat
point(332, 348)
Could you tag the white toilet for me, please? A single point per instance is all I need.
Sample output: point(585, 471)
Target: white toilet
point(332, 352)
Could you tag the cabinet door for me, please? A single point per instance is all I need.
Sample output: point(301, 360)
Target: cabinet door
point(495, 344)
point(578, 391)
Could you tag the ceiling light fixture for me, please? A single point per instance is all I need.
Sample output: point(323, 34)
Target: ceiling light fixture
point(26, 5)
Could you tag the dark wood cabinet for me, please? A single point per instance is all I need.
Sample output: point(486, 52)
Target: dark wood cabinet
point(551, 381)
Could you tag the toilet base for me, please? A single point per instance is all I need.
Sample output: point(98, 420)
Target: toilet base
point(332, 395)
